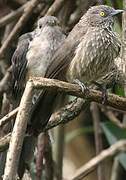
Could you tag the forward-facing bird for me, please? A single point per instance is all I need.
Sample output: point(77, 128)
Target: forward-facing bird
point(87, 54)
point(35, 50)
point(31, 58)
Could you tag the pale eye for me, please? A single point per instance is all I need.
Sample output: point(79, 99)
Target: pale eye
point(102, 13)
point(53, 23)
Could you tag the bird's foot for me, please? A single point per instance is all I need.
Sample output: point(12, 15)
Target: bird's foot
point(84, 88)
point(103, 89)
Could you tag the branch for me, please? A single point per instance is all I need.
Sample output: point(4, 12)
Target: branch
point(98, 137)
point(72, 110)
point(56, 6)
point(8, 117)
point(75, 90)
point(18, 133)
point(4, 142)
point(4, 82)
point(64, 115)
point(67, 113)
point(120, 146)
point(12, 16)
point(20, 1)
point(19, 25)
point(111, 116)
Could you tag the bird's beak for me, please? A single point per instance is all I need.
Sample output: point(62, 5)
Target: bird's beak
point(117, 11)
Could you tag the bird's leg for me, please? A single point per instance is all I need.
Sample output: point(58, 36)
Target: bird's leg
point(103, 89)
point(84, 88)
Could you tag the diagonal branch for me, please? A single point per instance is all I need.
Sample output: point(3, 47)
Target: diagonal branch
point(8, 117)
point(92, 164)
point(28, 11)
point(56, 6)
point(18, 134)
point(64, 115)
point(12, 16)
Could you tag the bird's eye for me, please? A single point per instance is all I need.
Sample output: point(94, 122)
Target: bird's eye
point(53, 23)
point(102, 13)
point(40, 26)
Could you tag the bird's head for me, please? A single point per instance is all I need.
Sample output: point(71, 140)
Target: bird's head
point(102, 15)
point(48, 21)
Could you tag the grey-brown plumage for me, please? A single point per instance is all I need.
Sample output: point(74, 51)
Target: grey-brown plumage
point(87, 54)
point(95, 54)
point(31, 58)
point(45, 40)
point(94, 49)
point(34, 51)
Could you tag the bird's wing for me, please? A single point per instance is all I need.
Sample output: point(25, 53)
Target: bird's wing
point(60, 61)
point(19, 63)
point(56, 70)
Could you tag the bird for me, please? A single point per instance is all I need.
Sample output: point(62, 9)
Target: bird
point(31, 58)
point(87, 55)
point(34, 52)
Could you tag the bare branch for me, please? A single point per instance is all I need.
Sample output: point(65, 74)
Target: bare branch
point(92, 164)
point(64, 115)
point(4, 142)
point(19, 25)
point(5, 80)
point(12, 16)
point(56, 6)
point(8, 117)
point(73, 89)
point(18, 134)
point(111, 116)
point(20, 1)
point(98, 137)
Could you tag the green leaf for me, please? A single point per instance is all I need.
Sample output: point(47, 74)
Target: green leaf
point(114, 134)
point(119, 90)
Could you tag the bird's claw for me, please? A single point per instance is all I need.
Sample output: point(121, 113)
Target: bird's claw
point(104, 96)
point(84, 88)
point(103, 89)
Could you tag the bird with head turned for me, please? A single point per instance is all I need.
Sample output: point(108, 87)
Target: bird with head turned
point(95, 53)
point(87, 54)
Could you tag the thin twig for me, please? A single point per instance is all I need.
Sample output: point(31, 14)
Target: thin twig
point(116, 169)
point(120, 146)
point(4, 83)
point(56, 6)
point(111, 116)
point(49, 169)
point(18, 134)
point(4, 142)
point(26, 15)
point(40, 155)
point(12, 16)
point(59, 150)
point(7, 118)
point(98, 138)
point(20, 1)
